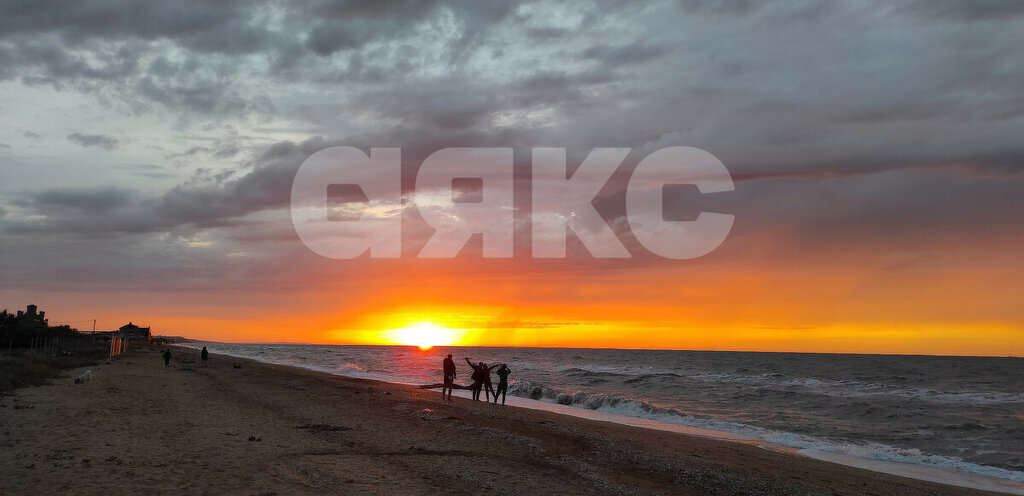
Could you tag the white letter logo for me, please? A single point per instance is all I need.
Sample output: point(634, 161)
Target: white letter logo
point(345, 203)
point(644, 195)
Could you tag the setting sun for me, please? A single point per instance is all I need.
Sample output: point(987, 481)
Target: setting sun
point(425, 335)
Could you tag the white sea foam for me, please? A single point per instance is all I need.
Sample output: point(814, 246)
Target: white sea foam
point(877, 457)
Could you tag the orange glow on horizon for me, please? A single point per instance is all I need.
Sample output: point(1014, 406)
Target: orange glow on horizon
point(424, 335)
point(816, 306)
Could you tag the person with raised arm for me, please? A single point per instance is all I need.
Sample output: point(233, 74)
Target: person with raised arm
point(478, 378)
point(503, 373)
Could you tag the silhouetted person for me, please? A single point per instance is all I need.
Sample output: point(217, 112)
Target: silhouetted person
point(503, 373)
point(449, 376)
point(478, 378)
point(205, 355)
point(486, 376)
point(167, 357)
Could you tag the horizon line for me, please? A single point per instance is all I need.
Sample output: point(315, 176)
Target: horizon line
point(599, 348)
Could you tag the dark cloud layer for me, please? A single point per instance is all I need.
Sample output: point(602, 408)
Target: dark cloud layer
point(790, 95)
point(98, 140)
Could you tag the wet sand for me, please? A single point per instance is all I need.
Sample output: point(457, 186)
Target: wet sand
point(140, 427)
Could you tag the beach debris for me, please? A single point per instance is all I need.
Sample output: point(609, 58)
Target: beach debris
point(324, 427)
point(237, 365)
point(255, 439)
point(84, 378)
point(426, 411)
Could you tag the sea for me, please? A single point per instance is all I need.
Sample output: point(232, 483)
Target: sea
point(957, 420)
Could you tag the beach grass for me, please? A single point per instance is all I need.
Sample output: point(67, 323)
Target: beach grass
point(23, 369)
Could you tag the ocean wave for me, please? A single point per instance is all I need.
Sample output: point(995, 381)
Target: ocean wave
point(633, 375)
point(869, 451)
point(847, 388)
point(605, 370)
point(350, 367)
point(885, 453)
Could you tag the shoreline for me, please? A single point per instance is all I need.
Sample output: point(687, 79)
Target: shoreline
point(266, 428)
point(942, 475)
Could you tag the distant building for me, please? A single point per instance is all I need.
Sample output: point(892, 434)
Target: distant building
point(132, 332)
point(31, 318)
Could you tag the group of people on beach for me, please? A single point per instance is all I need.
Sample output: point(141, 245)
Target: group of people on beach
point(481, 380)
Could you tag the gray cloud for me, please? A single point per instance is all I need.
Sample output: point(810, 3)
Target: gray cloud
point(204, 202)
point(977, 10)
point(98, 140)
point(632, 53)
point(214, 27)
point(93, 200)
point(147, 170)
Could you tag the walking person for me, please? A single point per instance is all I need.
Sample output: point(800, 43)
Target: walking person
point(503, 373)
point(167, 357)
point(449, 376)
point(205, 355)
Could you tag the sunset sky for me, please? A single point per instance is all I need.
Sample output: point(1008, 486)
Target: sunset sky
point(147, 154)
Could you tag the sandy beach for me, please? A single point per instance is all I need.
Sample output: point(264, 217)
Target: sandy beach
point(141, 427)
